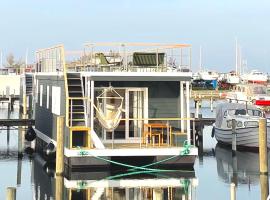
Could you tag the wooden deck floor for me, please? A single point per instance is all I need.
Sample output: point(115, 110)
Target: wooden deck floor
point(137, 145)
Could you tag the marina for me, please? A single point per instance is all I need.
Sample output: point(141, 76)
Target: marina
point(134, 100)
point(114, 145)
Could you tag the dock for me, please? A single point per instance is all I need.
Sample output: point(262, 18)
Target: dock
point(17, 122)
point(205, 121)
point(208, 94)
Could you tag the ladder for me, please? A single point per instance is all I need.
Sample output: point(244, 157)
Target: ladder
point(76, 112)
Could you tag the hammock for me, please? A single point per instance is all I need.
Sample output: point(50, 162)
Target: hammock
point(109, 115)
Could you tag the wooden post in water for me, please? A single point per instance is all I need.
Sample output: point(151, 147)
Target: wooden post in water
point(264, 182)
point(211, 104)
point(19, 171)
point(59, 169)
point(11, 193)
point(263, 146)
point(21, 134)
point(24, 104)
point(9, 103)
point(200, 139)
point(233, 192)
point(192, 115)
point(197, 108)
point(233, 137)
point(8, 138)
point(59, 182)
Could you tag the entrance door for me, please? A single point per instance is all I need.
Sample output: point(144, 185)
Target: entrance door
point(136, 108)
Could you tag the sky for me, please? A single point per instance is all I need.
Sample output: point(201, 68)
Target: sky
point(212, 24)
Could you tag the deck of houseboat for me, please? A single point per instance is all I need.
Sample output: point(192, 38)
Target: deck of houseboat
point(141, 146)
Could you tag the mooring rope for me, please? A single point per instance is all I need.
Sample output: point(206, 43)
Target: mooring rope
point(135, 170)
point(184, 152)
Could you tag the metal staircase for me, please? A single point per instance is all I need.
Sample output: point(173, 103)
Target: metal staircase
point(76, 112)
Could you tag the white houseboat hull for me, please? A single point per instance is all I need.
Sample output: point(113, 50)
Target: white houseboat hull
point(245, 137)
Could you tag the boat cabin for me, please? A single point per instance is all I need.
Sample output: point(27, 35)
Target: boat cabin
point(248, 93)
point(225, 112)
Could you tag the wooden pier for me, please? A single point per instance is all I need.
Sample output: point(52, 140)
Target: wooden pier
point(9, 99)
point(205, 121)
point(208, 94)
point(17, 122)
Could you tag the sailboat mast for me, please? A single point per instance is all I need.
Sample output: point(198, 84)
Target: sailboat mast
point(26, 59)
point(200, 64)
point(240, 60)
point(1, 59)
point(236, 56)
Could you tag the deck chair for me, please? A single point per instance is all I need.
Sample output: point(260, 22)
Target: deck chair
point(148, 59)
point(103, 62)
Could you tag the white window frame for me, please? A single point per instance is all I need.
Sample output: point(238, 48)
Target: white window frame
point(56, 100)
point(40, 95)
point(48, 96)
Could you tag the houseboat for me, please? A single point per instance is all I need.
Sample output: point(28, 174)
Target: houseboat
point(124, 105)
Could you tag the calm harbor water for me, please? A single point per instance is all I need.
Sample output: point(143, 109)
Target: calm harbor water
point(213, 173)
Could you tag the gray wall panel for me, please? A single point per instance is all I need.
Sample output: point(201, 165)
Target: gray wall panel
point(45, 119)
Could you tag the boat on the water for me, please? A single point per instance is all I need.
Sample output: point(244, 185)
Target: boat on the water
point(227, 81)
point(247, 124)
point(205, 79)
point(255, 76)
point(208, 75)
point(232, 78)
point(248, 93)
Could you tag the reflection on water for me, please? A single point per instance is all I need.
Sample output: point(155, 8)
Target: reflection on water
point(243, 168)
point(245, 165)
point(129, 186)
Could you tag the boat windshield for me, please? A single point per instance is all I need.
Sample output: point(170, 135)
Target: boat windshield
point(257, 73)
point(250, 112)
point(259, 90)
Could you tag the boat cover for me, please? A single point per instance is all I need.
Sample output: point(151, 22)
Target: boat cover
point(222, 107)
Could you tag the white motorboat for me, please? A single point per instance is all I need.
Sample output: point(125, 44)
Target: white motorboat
point(248, 93)
point(208, 75)
point(247, 124)
point(255, 76)
point(232, 78)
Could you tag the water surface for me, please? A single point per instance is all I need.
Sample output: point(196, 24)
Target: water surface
point(214, 171)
